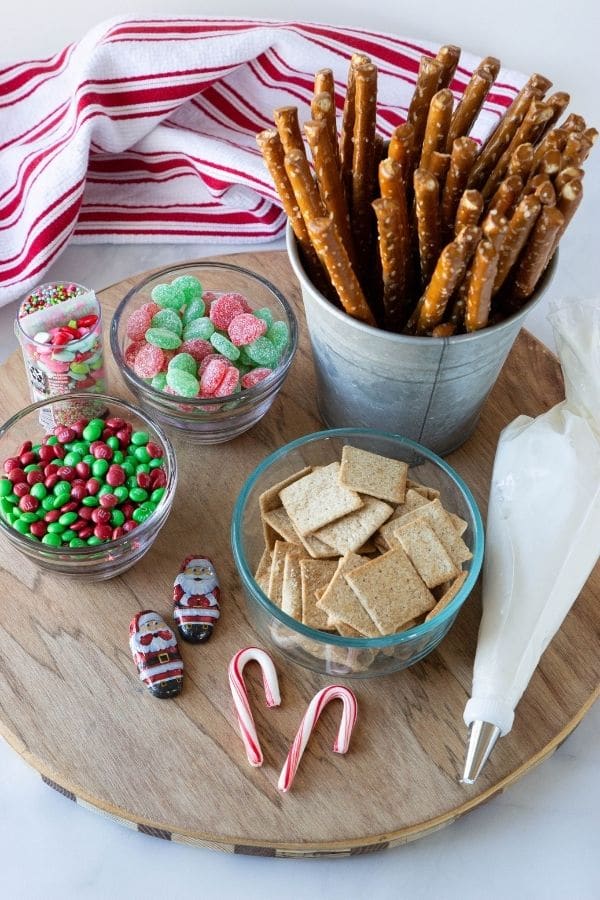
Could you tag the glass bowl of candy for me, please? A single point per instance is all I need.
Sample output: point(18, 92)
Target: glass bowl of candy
point(205, 347)
point(356, 550)
point(88, 497)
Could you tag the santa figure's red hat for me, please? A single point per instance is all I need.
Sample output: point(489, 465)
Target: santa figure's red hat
point(141, 619)
point(191, 562)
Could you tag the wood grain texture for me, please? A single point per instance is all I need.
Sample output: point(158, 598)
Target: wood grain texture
point(72, 706)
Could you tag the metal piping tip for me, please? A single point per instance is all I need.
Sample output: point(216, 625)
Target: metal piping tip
point(481, 743)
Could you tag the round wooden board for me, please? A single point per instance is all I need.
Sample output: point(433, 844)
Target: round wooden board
point(72, 705)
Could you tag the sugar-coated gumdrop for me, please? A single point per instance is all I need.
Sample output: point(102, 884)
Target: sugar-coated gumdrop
point(183, 383)
point(245, 360)
point(229, 382)
point(151, 308)
point(224, 346)
point(279, 335)
point(159, 382)
point(197, 348)
point(255, 377)
point(184, 361)
point(207, 359)
point(227, 307)
point(168, 295)
point(167, 318)
point(189, 286)
point(132, 350)
point(163, 338)
point(262, 352)
point(213, 375)
point(138, 324)
point(246, 328)
point(149, 361)
point(208, 297)
point(199, 328)
point(194, 310)
point(265, 314)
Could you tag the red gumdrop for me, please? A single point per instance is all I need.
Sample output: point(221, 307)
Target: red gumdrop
point(208, 297)
point(149, 361)
point(21, 489)
point(151, 308)
point(34, 477)
point(206, 361)
point(28, 503)
point(213, 375)
point(229, 383)
point(254, 377)
point(138, 323)
point(197, 348)
point(11, 463)
point(246, 328)
point(107, 501)
point(38, 529)
point(132, 351)
point(227, 307)
point(115, 475)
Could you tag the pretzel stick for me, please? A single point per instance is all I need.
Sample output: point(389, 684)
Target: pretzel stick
point(550, 164)
point(303, 185)
point(537, 114)
point(559, 102)
point(506, 197)
point(439, 164)
point(573, 151)
point(469, 210)
point(573, 122)
point(446, 329)
point(392, 187)
point(329, 180)
point(348, 116)
point(481, 281)
point(537, 252)
point(519, 229)
point(335, 260)
point(437, 125)
point(448, 273)
point(542, 187)
point(590, 136)
point(363, 168)
point(569, 199)
point(286, 122)
point(566, 175)
point(464, 152)
point(494, 228)
point(428, 224)
point(392, 252)
point(469, 106)
point(522, 161)
point(448, 57)
point(428, 79)
point(489, 65)
point(470, 236)
point(323, 109)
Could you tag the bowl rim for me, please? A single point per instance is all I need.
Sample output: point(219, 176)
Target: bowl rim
point(258, 391)
point(384, 641)
point(96, 551)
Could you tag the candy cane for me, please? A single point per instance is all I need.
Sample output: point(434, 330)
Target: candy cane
point(311, 716)
point(240, 696)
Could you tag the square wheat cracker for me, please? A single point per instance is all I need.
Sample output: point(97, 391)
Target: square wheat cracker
point(428, 492)
point(391, 590)
point(448, 597)
point(277, 565)
point(315, 574)
point(263, 571)
point(439, 519)
point(291, 589)
point(341, 603)
point(279, 520)
point(427, 553)
point(372, 474)
point(350, 532)
point(269, 500)
point(318, 499)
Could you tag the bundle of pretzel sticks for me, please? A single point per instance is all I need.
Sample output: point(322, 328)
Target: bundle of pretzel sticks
point(428, 233)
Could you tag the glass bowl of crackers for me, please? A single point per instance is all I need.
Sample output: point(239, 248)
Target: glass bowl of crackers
point(356, 549)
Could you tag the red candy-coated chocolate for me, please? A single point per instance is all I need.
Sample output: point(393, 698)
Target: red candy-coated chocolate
point(144, 480)
point(26, 459)
point(117, 533)
point(101, 450)
point(108, 501)
point(115, 475)
point(24, 448)
point(83, 469)
point(38, 529)
point(213, 375)
point(34, 477)
point(93, 486)
point(101, 516)
point(78, 525)
point(79, 491)
point(46, 452)
point(127, 509)
point(149, 361)
point(65, 434)
point(115, 422)
point(59, 451)
point(66, 473)
point(138, 324)
point(16, 475)
point(198, 348)
point(245, 328)
point(21, 489)
point(229, 383)
point(104, 532)
point(86, 513)
point(154, 450)
point(53, 515)
point(71, 506)
point(159, 478)
point(86, 533)
point(51, 480)
point(129, 525)
point(11, 463)
point(28, 503)
point(225, 308)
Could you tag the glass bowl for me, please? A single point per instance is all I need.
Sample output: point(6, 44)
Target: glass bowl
point(208, 420)
point(102, 561)
point(318, 650)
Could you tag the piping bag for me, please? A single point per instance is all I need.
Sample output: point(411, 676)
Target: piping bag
point(543, 532)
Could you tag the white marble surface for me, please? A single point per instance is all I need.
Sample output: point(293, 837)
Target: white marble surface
point(541, 838)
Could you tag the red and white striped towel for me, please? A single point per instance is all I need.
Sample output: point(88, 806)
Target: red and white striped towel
point(144, 130)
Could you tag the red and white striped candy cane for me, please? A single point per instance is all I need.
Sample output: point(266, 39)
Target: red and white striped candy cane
point(240, 696)
point(311, 716)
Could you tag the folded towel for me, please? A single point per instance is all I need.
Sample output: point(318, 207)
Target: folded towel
point(145, 130)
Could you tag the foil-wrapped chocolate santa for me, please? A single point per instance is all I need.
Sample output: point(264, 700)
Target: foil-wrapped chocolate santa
point(196, 599)
point(156, 654)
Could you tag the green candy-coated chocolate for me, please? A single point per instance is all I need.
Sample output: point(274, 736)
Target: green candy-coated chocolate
point(52, 440)
point(90, 501)
point(21, 526)
point(72, 458)
point(29, 517)
point(262, 352)
point(199, 328)
point(32, 467)
point(185, 362)
point(163, 338)
point(62, 487)
point(224, 346)
point(105, 489)
point(81, 447)
point(140, 438)
point(68, 518)
point(93, 541)
point(155, 463)
point(48, 502)
point(88, 458)
point(53, 540)
point(142, 467)
point(76, 542)
point(117, 518)
point(56, 528)
point(61, 499)
point(5, 507)
point(159, 382)
point(132, 482)
point(113, 442)
point(183, 383)
point(121, 493)
point(169, 319)
point(169, 296)
point(5, 487)
point(38, 490)
point(138, 494)
point(140, 514)
point(189, 286)
point(118, 457)
point(67, 536)
point(128, 466)
point(157, 494)
point(93, 430)
point(100, 468)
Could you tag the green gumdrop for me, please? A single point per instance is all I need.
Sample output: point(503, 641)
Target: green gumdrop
point(183, 383)
point(265, 314)
point(159, 382)
point(185, 362)
point(245, 360)
point(194, 310)
point(161, 337)
point(189, 286)
point(168, 296)
point(167, 318)
point(224, 346)
point(199, 328)
point(262, 352)
point(279, 335)
point(242, 368)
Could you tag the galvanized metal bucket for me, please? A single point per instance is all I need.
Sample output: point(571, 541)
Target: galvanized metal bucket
point(427, 389)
